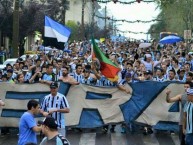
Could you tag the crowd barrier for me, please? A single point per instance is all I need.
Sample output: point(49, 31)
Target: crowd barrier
point(92, 106)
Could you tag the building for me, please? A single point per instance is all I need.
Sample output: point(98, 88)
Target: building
point(75, 11)
point(74, 14)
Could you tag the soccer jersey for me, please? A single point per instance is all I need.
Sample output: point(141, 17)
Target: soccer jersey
point(159, 79)
point(88, 81)
point(57, 102)
point(189, 117)
point(57, 140)
point(77, 77)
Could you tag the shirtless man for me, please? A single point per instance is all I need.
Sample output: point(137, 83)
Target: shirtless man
point(182, 98)
point(66, 78)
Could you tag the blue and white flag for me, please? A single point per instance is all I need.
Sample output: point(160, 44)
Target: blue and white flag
point(56, 30)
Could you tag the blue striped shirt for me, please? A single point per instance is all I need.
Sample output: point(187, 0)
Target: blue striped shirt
point(77, 77)
point(189, 117)
point(103, 81)
point(89, 81)
point(57, 102)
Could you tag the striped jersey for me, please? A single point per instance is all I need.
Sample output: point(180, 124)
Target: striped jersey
point(57, 140)
point(189, 117)
point(103, 81)
point(58, 74)
point(89, 81)
point(27, 76)
point(77, 77)
point(159, 79)
point(57, 102)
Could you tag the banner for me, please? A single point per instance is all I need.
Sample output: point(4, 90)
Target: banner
point(92, 107)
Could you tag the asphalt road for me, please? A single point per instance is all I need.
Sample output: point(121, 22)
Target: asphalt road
point(97, 137)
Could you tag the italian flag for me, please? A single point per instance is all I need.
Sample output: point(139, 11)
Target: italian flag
point(108, 68)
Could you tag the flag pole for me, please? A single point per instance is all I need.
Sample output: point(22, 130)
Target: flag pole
point(44, 33)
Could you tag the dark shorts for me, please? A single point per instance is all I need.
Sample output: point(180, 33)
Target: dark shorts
point(189, 139)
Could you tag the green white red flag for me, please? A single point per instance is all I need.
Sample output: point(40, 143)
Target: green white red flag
point(107, 67)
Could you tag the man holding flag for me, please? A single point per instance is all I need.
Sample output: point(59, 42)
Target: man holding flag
point(108, 75)
point(107, 67)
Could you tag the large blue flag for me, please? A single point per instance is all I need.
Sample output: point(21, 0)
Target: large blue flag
point(55, 34)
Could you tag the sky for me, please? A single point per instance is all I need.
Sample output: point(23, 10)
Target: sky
point(136, 11)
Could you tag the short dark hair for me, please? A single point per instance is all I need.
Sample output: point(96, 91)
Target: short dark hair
point(32, 103)
point(8, 65)
point(21, 62)
point(87, 66)
point(176, 61)
point(190, 74)
point(48, 65)
point(187, 63)
point(67, 68)
point(18, 76)
point(59, 61)
point(38, 60)
point(172, 70)
point(189, 83)
point(78, 65)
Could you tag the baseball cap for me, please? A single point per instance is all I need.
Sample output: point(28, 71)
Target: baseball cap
point(148, 55)
point(25, 68)
point(113, 53)
point(128, 75)
point(190, 91)
point(75, 58)
point(148, 72)
point(49, 122)
point(10, 71)
point(54, 85)
point(147, 50)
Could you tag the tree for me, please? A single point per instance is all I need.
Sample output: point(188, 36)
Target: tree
point(64, 8)
point(82, 18)
point(31, 20)
point(176, 15)
point(5, 18)
point(53, 9)
point(75, 30)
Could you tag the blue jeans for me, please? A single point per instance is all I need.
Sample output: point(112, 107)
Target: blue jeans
point(189, 139)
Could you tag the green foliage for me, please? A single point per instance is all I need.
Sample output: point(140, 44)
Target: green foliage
point(75, 30)
point(6, 17)
point(176, 16)
point(31, 15)
point(89, 31)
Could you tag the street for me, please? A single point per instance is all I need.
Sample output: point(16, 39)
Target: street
point(96, 137)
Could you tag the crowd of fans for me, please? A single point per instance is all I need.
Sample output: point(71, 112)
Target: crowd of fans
point(74, 65)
